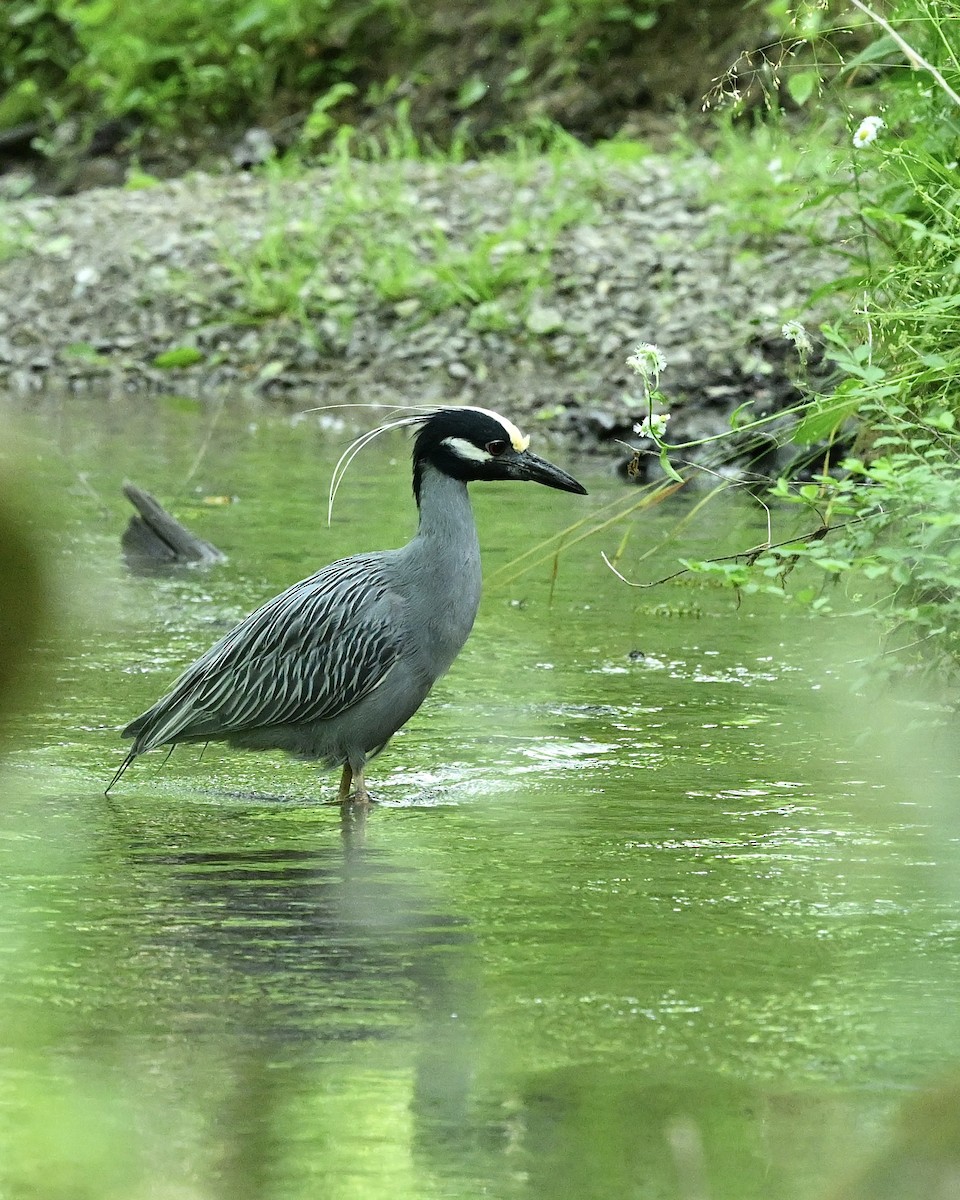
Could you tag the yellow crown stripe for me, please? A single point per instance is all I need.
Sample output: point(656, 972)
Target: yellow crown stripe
point(519, 441)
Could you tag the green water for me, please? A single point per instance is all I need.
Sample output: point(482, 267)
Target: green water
point(650, 907)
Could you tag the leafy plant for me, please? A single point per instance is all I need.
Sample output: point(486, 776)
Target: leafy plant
point(179, 62)
point(178, 356)
point(167, 65)
point(883, 530)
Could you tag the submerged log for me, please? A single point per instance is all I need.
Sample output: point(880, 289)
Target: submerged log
point(154, 539)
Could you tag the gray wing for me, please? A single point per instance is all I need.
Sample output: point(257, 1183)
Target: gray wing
point(306, 655)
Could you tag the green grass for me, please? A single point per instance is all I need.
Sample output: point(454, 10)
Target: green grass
point(16, 237)
point(772, 178)
point(366, 236)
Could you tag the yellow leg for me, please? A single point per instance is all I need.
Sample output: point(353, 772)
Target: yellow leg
point(348, 781)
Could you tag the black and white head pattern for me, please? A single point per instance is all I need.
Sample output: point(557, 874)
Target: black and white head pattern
point(467, 443)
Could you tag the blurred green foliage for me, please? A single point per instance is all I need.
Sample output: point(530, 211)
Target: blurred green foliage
point(884, 180)
point(175, 62)
point(180, 64)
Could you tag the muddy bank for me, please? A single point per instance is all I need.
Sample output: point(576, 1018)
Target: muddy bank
point(151, 290)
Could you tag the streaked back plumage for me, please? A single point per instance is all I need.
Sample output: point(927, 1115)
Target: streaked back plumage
point(333, 666)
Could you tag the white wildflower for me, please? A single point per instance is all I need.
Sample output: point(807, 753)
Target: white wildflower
point(648, 361)
point(654, 425)
point(795, 332)
point(866, 132)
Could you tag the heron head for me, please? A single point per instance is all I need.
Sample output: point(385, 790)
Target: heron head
point(475, 444)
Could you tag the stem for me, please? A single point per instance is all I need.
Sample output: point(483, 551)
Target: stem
point(916, 60)
point(864, 229)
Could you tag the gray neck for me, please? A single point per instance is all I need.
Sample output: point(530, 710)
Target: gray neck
point(443, 565)
point(445, 513)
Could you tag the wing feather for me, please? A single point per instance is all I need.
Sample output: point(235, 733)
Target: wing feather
point(306, 655)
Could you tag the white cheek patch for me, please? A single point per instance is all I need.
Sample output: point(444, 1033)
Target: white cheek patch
point(519, 441)
point(464, 449)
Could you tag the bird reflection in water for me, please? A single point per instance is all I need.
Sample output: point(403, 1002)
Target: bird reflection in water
point(296, 958)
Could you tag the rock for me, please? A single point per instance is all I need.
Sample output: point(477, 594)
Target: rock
point(154, 539)
point(255, 147)
point(542, 320)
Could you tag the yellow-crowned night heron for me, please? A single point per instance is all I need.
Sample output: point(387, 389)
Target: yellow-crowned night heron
point(331, 668)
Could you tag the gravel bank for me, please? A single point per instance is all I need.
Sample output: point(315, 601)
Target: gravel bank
point(98, 285)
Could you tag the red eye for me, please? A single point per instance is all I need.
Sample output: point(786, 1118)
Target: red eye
point(496, 448)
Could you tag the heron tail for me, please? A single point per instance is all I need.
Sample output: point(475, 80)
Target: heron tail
point(130, 756)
